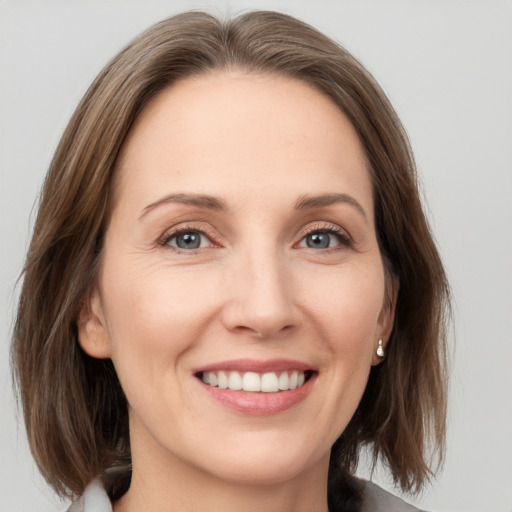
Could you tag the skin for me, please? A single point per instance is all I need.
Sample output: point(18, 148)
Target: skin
point(253, 289)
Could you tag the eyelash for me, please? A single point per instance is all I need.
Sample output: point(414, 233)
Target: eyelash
point(330, 229)
point(182, 230)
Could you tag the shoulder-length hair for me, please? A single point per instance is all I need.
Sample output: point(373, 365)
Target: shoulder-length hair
point(74, 408)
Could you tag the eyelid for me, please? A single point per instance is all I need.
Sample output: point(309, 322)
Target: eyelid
point(180, 229)
point(327, 227)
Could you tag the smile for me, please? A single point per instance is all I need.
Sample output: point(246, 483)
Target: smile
point(269, 382)
point(258, 388)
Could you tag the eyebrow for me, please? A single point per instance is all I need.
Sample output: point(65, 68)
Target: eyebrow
point(197, 200)
point(306, 202)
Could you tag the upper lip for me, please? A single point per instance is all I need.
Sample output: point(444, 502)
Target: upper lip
point(255, 365)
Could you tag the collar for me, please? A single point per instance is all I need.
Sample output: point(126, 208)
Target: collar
point(94, 499)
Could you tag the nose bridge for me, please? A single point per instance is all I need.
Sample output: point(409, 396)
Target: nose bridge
point(261, 298)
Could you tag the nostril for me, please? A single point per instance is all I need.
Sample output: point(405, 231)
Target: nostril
point(263, 331)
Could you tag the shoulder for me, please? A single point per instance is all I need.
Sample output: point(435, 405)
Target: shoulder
point(94, 499)
point(377, 499)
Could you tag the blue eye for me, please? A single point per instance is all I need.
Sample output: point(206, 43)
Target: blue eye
point(318, 240)
point(322, 240)
point(188, 240)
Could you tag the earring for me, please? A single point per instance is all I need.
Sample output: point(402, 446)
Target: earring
point(380, 349)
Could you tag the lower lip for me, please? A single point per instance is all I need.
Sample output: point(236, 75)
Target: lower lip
point(259, 403)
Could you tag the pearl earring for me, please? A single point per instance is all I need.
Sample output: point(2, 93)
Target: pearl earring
point(380, 349)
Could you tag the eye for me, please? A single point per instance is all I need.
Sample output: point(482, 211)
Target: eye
point(318, 240)
point(324, 239)
point(187, 240)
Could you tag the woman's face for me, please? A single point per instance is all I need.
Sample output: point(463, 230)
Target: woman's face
point(240, 253)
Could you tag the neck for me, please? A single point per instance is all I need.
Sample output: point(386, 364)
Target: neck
point(177, 486)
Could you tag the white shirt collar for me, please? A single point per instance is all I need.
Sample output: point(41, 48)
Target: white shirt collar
point(94, 499)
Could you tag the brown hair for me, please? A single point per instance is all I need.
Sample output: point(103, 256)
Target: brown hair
point(74, 408)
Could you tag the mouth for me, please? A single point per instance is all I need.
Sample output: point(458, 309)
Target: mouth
point(257, 387)
point(268, 382)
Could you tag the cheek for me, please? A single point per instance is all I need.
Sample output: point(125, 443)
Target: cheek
point(346, 314)
point(345, 304)
point(343, 307)
point(156, 314)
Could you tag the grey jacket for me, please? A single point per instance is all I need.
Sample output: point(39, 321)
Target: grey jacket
point(376, 499)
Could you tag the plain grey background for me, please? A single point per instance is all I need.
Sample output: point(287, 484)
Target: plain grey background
point(447, 67)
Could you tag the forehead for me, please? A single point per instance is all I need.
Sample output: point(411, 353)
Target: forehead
point(230, 131)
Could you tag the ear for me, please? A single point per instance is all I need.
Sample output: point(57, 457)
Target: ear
point(386, 317)
point(92, 328)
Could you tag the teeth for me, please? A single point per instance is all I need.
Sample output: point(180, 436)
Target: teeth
point(223, 380)
point(250, 381)
point(294, 377)
point(269, 383)
point(284, 382)
point(235, 381)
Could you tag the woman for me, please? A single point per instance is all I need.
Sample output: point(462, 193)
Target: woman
point(231, 287)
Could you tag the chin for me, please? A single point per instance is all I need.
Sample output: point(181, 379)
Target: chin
point(261, 472)
point(262, 462)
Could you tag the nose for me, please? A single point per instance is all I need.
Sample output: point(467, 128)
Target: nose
point(260, 296)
